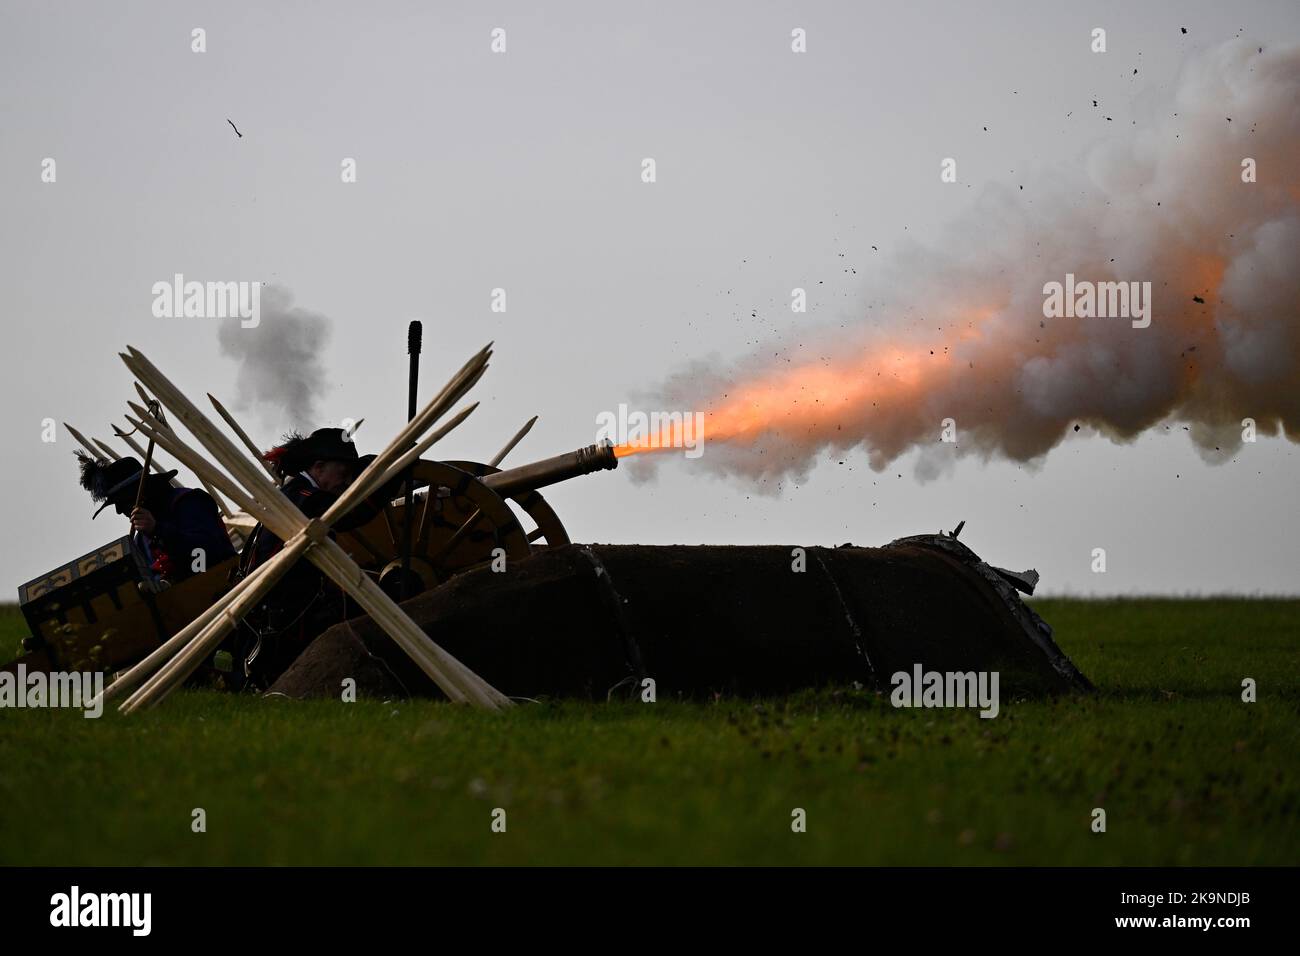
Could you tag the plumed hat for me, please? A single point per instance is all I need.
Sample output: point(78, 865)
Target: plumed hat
point(112, 482)
point(297, 452)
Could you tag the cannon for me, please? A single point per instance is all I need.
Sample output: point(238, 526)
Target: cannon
point(563, 620)
point(152, 629)
point(104, 611)
point(463, 511)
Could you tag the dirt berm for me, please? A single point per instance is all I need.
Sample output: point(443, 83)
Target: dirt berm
point(582, 620)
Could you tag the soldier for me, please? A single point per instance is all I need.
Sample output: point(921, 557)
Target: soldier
point(314, 470)
point(169, 525)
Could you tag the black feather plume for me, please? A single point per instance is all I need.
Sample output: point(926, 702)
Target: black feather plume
point(92, 474)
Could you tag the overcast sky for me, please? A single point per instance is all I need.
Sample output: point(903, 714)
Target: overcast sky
point(522, 171)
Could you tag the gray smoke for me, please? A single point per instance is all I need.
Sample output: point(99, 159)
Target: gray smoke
point(281, 374)
point(966, 337)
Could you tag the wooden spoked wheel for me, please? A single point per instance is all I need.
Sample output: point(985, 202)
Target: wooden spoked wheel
point(547, 531)
point(457, 523)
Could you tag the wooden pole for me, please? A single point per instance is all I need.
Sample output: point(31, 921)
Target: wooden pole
point(285, 521)
point(212, 492)
point(509, 446)
point(240, 601)
point(253, 478)
point(439, 665)
point(82, 440)
point(370, 479)
point(199, 466)
point(148, 460)
point(243, 435)
point(158, 467)
point(178, 641)
point(106, 450)
point(412, 456)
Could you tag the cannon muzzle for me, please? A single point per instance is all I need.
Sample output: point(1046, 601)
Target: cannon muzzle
point(548, 471)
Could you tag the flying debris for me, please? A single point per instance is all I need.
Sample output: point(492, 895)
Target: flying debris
point(567, 619)
point(873, 384)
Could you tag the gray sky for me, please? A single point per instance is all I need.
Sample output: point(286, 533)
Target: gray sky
point(522, 170)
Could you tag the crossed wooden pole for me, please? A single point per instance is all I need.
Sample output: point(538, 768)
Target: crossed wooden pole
point(99, 449)
point(245, 483)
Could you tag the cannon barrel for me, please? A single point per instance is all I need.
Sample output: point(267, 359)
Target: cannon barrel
point(548, 471)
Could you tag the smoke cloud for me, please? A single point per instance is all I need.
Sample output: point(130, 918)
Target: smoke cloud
point(966, 337)
point(281, 373)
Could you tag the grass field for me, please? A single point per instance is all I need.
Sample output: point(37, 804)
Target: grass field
point(1186, 772)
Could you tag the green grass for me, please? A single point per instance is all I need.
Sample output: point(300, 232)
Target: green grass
point(12, 630)
point(1187, 772)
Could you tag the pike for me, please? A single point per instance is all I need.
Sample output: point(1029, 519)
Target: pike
point(134, 446)
point(199, 466)
point(212, 492)
point(243, 435)
point(81, 440)
point(156, 410)
point(111, 454)
point(202, 636)
point(177, 642)
point(509, 446)
point(196, 462)
point(209, 631)
point(376, 473)
point(304, 538)
point(108, 450)
point(412, 456)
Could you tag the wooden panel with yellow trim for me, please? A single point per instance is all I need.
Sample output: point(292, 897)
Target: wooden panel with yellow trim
point(101, 611)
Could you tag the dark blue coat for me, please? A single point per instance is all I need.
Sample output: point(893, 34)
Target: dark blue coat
point(186, 519)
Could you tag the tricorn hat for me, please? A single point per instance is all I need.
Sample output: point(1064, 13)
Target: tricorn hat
point(112, 481)
point(297, 453)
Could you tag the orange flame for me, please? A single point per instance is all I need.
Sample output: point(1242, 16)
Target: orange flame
point(1210, 354)
point(806, 398)
point(894, 383)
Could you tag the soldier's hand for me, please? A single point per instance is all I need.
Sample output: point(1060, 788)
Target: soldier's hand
point(142, 520)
